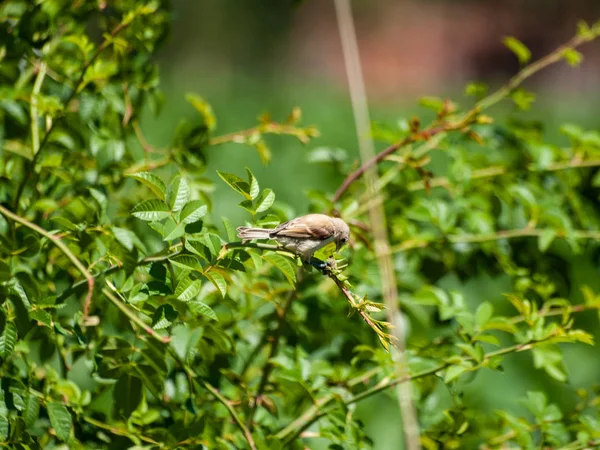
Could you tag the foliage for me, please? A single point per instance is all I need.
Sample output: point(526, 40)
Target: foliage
point(131, 317)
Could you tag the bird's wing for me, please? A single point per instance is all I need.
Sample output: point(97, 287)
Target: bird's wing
point(312, 226)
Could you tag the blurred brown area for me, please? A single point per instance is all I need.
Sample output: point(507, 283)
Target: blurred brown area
point(408, 48)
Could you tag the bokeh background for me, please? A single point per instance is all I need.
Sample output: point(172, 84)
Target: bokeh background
point(249, 57)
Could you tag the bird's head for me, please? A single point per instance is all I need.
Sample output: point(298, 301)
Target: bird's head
point(342, 233)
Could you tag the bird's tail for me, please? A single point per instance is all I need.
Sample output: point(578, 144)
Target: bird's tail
point(253, 233)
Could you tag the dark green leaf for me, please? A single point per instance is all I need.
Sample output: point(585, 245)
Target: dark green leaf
point(60, 419)
point(127, 394)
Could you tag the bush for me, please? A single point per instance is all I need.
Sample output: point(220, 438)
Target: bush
point(130, 317)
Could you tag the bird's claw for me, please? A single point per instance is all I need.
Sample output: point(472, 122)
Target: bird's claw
point(322, 266)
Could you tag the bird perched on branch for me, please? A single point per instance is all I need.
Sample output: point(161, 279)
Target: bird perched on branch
point(303, 235)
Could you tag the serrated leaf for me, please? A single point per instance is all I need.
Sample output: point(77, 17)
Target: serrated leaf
point(236, 183)
point(125, 237)
point(127, 394)
point(4, 425)
point(265, 200)
point(60, 419)
point(187, 289)
point(163, 317)
point(254, 187)
point(213, 242)
point(218, 280)
point(153, 182)
point(172, 231)
point(151, 210)
point(188, 262)
point(178, 193)
point(522, 53)
point(192, 211)
point(284, 264)
point(31, 410)
point(202, 309)
point(8, 340)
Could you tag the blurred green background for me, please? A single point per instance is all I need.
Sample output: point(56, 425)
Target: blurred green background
point(250, 57)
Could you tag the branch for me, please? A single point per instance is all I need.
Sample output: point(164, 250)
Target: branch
point(492, 99)
point(135, 319)
point(78, 84)
point(275, 338)
point(318, 410)
point(89, 279)
point(502, 234)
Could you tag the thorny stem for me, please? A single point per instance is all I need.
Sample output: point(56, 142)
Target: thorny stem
point(89, 279)
point(470, 116)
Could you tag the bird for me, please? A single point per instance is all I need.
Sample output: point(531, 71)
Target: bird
point(303, 235)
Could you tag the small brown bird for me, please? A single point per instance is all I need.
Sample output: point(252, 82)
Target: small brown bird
point(303, 235)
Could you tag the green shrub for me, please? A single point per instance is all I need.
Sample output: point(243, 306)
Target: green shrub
point(131, 317)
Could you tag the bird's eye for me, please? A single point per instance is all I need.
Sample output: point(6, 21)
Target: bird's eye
point(344, 240)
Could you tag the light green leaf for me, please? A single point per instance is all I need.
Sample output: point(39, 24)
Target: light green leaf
point(163, 317)
point(151, 210)
point(265, 200)
point(8, 340)
point(282, 263)
point(218, 280)
point(572, 56)
point(4, 425)
point(187, 289)
point(31, 410)
point(229, 229)
point(60, 419)
point(522, 53)
point(192, 211)
point(204, 108)
point(202, 309)
point(188, 262)
point(254, 187)
point(172, 230)
point(236, 183)
point(546, 239)
point(153, 182)
point(178, 194)
point(484, 313)
point(125, 237)
point(455, 371)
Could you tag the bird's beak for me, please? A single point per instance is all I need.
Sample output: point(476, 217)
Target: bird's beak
point(338, 245)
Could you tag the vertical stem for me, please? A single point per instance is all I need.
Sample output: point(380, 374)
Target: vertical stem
point(377, 216)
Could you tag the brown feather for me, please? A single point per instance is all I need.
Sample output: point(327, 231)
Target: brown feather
point(311, 226)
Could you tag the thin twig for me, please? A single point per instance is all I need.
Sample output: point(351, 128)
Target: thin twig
point(360, 108)
point(120, 431)
point(487, 102)
point(37, 87)
point(89, 279)
point(134, 318)
point(275, 339)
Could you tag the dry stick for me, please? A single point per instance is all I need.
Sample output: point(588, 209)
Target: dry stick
point(360, 108)
point(63, 248)
point(78, 83)
point(492, 99)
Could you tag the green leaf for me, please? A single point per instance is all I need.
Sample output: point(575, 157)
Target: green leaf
point(217, 279)
point(546, 238)
point(229, 229)
point(326, 155)
point(254, 187)
point(484, 313)
point(282, 263)
point(127, 394)
point(172, 231)
point(201, 309)
point(4, 425)
point(153, 182)
point(187, 289)
point(125, 237)
point(213, 242)
point(151, 210)
point(522, 53)
point(264, 200)
point(453, 372)
point(8, 340)
point(31, 410)
point(188, 262)
point(178, 193)
point(236, 183)
point(192, 211)
point(60, 419)
point(163, 317)
point(204, 108)
point(572, 56)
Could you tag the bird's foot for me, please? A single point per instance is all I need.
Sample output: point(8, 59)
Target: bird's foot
point(321, 266)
